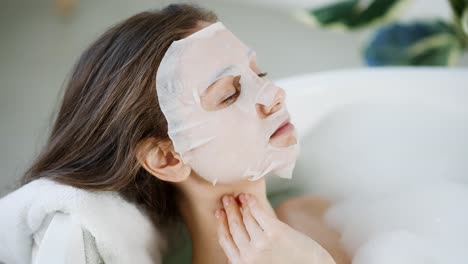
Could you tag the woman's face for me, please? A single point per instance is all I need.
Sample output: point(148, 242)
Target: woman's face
point(225, 92)
point(225, 118)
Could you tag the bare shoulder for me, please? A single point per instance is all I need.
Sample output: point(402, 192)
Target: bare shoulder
point(305, 214)
point(308, 204)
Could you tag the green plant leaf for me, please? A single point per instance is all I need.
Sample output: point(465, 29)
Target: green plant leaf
point(334, 13)
point(441, 54)
point(458, 6)
point(352, 14)
point(460, 20)
point(427, 43)
point(464, 21)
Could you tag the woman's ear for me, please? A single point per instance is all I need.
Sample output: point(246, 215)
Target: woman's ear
point(160, 159)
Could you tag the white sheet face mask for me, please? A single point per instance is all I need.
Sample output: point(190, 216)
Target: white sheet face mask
point(232, 143)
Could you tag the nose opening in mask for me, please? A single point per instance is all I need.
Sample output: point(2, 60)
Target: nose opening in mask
point(267, 94)
point(269, 100)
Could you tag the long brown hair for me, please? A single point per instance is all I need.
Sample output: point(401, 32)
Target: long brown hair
point(110, 105)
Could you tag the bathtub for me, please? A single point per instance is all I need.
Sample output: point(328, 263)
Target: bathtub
point(372, 124)
point(389, 148)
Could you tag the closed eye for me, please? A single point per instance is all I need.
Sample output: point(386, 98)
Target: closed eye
point(263, 74)
point(232, 98)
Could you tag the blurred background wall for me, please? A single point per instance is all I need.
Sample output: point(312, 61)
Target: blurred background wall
point(39, 45)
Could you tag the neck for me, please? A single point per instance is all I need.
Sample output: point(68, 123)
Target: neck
point(197, 203)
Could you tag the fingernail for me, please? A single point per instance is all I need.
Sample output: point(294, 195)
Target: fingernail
point(242, 198)
point(226, 200)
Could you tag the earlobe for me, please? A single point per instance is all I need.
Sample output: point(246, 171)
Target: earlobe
point(162, 161)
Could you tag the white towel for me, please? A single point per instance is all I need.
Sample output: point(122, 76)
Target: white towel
point(47, 222)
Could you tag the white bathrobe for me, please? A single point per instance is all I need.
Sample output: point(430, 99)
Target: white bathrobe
point(46, 222)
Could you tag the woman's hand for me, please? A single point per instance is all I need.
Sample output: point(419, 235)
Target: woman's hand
point(248, 235)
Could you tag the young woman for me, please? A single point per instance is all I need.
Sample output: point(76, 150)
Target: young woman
point(111, 134)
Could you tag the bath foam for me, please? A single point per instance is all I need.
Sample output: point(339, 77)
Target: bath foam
point(397, 178)
point(422, 224)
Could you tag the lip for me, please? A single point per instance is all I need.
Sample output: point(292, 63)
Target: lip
point(283, 128)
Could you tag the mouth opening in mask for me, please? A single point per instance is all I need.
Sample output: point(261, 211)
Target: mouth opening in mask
point(285, 127)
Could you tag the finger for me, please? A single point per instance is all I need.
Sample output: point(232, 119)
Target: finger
point(259, 214)
point(253, 228)
point(225, 239)
point(236, 225)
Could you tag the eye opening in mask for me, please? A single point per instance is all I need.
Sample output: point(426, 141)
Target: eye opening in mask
point(233, 97)
point(223, 92)
point(236, 82)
